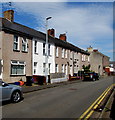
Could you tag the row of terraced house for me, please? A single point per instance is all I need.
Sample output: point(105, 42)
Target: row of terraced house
point(23, 52)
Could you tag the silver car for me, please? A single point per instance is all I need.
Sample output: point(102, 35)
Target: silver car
point(10, 92)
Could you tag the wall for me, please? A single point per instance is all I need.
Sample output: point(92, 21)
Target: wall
point(106, 61)
point(9, 54)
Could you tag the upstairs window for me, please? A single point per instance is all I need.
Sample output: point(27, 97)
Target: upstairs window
point(16, 43)
point(48, 49)
point(35, 46)
point(56, 51)
point(71, 55)
point(44, 49)
point(63, 51)
point(24, 45)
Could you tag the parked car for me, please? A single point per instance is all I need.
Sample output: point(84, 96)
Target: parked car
point(91, 76)
point(10, 92)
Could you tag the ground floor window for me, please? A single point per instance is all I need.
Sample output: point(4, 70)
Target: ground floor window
point(56, 68)
point(17, 68)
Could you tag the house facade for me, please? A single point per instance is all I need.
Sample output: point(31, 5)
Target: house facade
point(39, 57)
point(98, 61)
point(16, 51)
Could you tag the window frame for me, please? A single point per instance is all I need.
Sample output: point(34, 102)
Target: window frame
point(57, 52)
point(35, 46)
point(25, 43)
point(16, 42)
point(56, 68)
point(18, 64)
point(44, 48)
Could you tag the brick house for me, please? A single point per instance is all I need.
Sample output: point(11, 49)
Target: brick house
point(15, 49)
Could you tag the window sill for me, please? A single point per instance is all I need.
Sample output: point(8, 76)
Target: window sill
point(24, 51)
point(17, 75)
point(36, 53)
point(16, 50)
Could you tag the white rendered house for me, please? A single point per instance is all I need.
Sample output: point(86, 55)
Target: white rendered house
point(39, 56)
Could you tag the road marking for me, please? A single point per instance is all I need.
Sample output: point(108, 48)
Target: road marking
point(99, 99)
point(87, 117)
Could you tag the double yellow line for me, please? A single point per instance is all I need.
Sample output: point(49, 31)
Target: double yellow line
point(90, 110)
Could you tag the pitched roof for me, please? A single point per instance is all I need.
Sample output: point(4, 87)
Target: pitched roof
point(29, 32)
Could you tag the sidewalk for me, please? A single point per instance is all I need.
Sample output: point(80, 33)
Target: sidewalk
point(27, 89)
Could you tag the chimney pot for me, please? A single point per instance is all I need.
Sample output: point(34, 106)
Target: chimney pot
point(9, 14)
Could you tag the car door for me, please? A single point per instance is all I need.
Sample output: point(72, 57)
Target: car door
point(6, 92)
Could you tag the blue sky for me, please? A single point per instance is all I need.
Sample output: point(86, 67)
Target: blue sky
point(85, 23)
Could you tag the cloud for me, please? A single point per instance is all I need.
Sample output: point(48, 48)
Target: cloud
point(89, 24)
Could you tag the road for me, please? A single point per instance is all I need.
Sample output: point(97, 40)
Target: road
point(67, 101)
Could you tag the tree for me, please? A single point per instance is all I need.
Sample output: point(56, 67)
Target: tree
point(86, 68)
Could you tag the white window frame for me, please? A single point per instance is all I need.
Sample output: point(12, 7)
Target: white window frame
point(63, 52)
point(16, 41)
point(25, 43)
point(66, 69)
point(66, 53)
point(18, 63)
point(57, 52)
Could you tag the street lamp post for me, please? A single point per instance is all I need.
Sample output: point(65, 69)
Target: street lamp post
point(46, 57)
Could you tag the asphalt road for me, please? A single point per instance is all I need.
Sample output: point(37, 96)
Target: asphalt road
point(68, 101)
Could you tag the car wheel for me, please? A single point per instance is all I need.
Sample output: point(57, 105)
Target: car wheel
point(16, 96)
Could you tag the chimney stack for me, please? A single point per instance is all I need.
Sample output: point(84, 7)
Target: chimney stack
point(51, 32)
point(9, 14)
point(62, 37)
point(95, 50)
point(90, 49)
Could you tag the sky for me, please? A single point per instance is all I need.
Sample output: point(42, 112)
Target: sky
point(86, 23)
